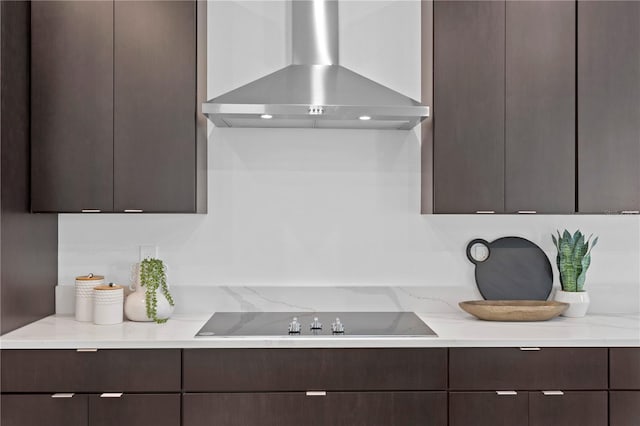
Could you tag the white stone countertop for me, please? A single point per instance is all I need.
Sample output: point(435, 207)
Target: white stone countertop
point(454, 330)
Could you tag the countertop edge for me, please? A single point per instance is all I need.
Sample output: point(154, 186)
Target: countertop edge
point(454, 330)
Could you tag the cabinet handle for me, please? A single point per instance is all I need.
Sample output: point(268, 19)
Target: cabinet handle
point(529, 349)
point(553, 393)
point(87, 350)
point(111, 395)
point(90, 210)
point(630, 212)
point(133, 211)
point(316, 393)
point(527, 212)
point(485, 211)
point(506, 393)
point(62, 395)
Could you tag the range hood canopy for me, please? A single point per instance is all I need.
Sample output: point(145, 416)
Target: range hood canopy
point(315, 91)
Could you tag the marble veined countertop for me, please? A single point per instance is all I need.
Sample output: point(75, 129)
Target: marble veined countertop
point(454, 330)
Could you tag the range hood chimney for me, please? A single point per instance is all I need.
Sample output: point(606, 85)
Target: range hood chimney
point(315, 91)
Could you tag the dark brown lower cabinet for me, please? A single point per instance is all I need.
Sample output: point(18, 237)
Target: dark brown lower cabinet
point(487, 409)
point(90, 410)
point(574, 408)
point(38, 410)
point(536, 408)
point(624, 408)
point(298, 408)
point(135, 410)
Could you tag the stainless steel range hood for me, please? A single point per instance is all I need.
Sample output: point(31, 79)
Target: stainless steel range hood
point(315, 91)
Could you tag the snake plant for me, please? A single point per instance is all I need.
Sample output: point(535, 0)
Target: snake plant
point(574, 258)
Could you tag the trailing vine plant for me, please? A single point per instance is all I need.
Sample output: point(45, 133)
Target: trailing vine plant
point(153, 276)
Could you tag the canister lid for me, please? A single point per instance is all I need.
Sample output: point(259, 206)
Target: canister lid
point(108, 287)
point(90, 277)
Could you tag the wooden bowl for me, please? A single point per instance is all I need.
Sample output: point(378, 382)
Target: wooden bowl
point(514, 310)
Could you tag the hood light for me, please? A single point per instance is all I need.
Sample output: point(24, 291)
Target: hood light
point(266, 116)
point(364, 117)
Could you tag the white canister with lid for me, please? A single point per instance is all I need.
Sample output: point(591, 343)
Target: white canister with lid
point(84, 295)
point(107, 304)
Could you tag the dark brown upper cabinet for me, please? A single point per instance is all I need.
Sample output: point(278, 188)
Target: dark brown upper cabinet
point(608, 106)
point(116, 89)
point(71, 106)
point(504, 107)
point(540, 107)
point(468, 120)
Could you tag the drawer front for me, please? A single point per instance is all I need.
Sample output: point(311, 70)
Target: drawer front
point(568, 409)
point(514, 368)
point(135, 410)
point(229, 370)
point(488, 409)
point(106, 370)
point(334, 408)
point(38, 410)
point(624, 368)
point(624, 408)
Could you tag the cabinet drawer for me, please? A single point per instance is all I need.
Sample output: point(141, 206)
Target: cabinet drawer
point(624, 368)
point(568, 409)
point(488, 409)
point(220, 370)
point(514, 368)
point(135, 370)
point(135, 410)
point(38, 410)
point(624, 408)
point(334, 408)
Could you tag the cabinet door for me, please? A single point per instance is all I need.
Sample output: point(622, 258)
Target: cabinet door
point(71, 106)
point(624, 408)
point(568, 409)
point(468, 115)
point(155, 106)
point(608, 106)
point(135, 410)
point(487, 409)
point(540, 106)
point(38, 410)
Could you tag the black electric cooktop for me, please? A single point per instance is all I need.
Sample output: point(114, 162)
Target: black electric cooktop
point(309, 324)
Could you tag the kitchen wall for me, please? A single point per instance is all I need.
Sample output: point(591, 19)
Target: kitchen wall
point(294, 213)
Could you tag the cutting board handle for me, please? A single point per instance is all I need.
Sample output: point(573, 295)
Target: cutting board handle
point(473, 243)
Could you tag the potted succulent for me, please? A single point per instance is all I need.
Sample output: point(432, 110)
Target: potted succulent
point(573, 260)
point(150, 299)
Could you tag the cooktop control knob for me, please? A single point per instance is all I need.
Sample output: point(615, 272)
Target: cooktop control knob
point(316, 325)
point(337, 327)
point(294, 326)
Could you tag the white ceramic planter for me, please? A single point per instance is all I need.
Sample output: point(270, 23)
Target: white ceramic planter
point(578, 302)
point(135, 305)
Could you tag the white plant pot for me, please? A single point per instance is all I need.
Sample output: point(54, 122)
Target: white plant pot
point(135, 305)
point(578, 302)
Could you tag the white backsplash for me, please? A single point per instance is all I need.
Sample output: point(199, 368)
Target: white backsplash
point(295, 213)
